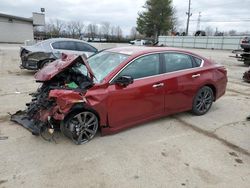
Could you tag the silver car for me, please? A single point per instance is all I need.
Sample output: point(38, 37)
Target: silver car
point(36, 56)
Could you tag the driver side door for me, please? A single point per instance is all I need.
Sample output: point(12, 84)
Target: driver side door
point(143, 99)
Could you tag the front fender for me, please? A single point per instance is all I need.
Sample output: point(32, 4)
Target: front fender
point(65, 99)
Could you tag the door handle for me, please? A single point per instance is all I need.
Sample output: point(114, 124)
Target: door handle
point(196, 75)
point(158, 85)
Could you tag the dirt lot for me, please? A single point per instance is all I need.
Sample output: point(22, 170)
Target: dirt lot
point(177, 151)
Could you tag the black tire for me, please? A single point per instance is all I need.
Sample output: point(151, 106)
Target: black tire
point(45, 62)
point(80, 126)
point(203, 101)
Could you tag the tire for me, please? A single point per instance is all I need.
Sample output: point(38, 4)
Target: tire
point(45, 62)
point(203, 101)
point(80, 126)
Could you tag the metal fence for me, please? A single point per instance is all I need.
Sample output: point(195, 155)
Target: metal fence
point(209, 42)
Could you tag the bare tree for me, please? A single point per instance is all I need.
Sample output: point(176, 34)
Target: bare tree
point(209, 31)
point(105, 30)
point(232, 32)
point(79, 27)
point(92, 31)
point(112, 32)
point(59, 25)
point(118, 33)
point(72, 28)
point(133, 33)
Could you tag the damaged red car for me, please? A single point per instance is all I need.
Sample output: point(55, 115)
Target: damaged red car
point(119, 88)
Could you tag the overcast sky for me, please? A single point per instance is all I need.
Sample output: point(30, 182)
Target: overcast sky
point(227, 14)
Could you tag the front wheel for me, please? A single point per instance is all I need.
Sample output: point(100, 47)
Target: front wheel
point(203, 101)
point(81, 127)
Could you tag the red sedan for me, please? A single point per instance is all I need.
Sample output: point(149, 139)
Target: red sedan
point(119, 88)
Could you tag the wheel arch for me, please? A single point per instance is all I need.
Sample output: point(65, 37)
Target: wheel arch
point(82, 107)
point(42, 61)
point(212, 86)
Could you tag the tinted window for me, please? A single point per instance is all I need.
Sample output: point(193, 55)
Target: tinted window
point(64, 45)
point(177, 61)
point(197, 61)
point(80, 46)
point(143, 67)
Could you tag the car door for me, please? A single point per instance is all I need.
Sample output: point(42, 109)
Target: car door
point(182, 80)
point(67, 47)
point(141, 100)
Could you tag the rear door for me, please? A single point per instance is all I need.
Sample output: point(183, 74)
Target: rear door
point(82, 47)
point(182, 80)
point(60, 47)
point(141, 100)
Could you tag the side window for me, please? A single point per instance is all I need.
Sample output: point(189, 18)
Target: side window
point(143, 67)
point(176, 61)
point(80, 46)
point(197, 61)
point(56, 45)
point(64, 45)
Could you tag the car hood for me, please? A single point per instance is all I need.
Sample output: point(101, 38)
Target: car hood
point(57, 66)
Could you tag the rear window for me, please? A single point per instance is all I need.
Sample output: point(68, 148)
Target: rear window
point(197, 61)
point(80, 46)
point(64, 45)
point(177, 61)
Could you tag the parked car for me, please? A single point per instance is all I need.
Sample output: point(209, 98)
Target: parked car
point(200, 33)
point(119, 88)
point(37, 56)
point(139, 42)
point(245, 44)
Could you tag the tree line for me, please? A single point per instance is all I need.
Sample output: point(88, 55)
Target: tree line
point(79, 30)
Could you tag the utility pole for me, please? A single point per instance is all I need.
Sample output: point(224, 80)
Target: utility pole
point(198, 22)
point(189, 14)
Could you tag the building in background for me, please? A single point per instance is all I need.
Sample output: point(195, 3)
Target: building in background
point(15, 29)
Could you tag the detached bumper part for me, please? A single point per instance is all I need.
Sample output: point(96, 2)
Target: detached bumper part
point(34, 126)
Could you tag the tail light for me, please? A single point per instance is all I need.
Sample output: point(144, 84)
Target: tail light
point(23, 52)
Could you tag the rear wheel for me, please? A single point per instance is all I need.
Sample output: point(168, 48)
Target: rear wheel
point(203, 101)
point(45, 63)
point(81, 127)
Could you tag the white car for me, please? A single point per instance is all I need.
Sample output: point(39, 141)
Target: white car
point(138, 42)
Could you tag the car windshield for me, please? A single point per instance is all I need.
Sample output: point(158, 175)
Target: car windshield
point(103, 63)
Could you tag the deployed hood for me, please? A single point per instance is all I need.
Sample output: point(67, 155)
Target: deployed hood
point(57, 66)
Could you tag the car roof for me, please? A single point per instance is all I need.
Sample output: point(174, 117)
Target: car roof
point(140, 50)
point(61, 39)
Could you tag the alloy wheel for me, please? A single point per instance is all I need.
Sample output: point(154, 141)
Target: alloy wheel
point(203, 101)
point(82, 127)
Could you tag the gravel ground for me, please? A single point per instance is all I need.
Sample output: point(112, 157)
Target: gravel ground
point(176, 151)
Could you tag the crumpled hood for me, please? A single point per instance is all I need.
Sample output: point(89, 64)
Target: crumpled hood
point(57, 66)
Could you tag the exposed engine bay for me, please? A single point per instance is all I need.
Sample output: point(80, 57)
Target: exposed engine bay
point(68, 76)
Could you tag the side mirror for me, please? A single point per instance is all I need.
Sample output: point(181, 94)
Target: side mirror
point(124, 81)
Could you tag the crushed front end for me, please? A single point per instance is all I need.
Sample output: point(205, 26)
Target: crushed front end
point(63, 84)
